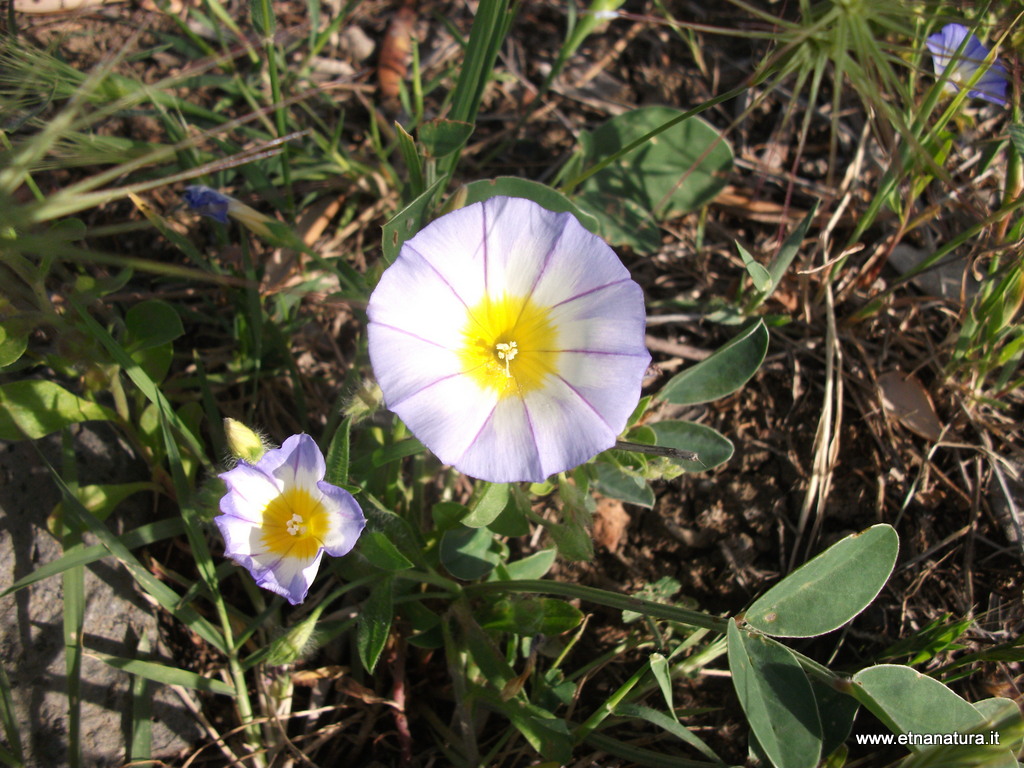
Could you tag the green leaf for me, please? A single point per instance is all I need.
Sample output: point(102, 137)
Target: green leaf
point(513, 186)
point(374, 623)
point(829, 590)
point(776, 698)
point(513, 520)
point(837, 711)
point(662, 673)
point(787, 252)
point(487, 505)
point(758, 274)
point(467, 554)
point(13, 341)
point(378, 549)
point(1005, 715)
point(721, 374)
point(440, 137)
point(547, 734)
point(619, 484)
point(410, 446)
point(528, 616)
point(910, 702)
point(711, 447)
point(338, 454)
point(412, 160)
point(102, 500)
point(407, 223)
point(534, 566)
point(10, 722)
point(151, 324)
point(34, 408)
point(447, 514)
point(622, 221)
point(681, 169)
point(164, 674)
point(670, 724)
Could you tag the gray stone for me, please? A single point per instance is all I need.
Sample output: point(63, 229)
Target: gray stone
point(31, 620)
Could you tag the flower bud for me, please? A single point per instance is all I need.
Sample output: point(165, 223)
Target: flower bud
point(243, 443)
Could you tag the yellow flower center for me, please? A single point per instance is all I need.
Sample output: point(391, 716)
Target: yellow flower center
point(294, 524)
point(509, 345)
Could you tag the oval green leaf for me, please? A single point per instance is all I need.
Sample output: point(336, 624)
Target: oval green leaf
point(619, 484)
point(725, 371)
point(776, 698)
point(830, 589)
point(151, 324)
point(466, 553)
point(680, 169)
point(13, 341)
point(486, 507)
point(533, 566)
point(908, 701)
point(441, 137)
point(677, 171)
point(513, 186)
point(377, 548)
point(711, 447)
point(34, 408)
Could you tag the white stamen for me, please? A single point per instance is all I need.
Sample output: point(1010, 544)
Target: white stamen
point(507, 351)
point(295, 525)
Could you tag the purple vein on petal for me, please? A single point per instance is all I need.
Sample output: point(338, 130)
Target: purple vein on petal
point(592, 290)
point(483, 243)
point(479, 432)
point(427, 386)
point(441, 277)
point(596, 352)
point(410, 334)
point(587, 403)
point(547, 260)
point(533, 433)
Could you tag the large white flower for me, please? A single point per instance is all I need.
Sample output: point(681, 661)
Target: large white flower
point(279, 516)
point(509, 339)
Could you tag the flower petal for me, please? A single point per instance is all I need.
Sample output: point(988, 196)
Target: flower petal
point(289, 577)
point(453, 247)
point(447, 415)
point(559, 410)
point(406, 363)
point(521, 239)
point(207, 202)
point(610, 319)
point(414, 297)
point(297, 463)
point(504, 449)
point(346, 520)
point(249, 491)
point(241, 538)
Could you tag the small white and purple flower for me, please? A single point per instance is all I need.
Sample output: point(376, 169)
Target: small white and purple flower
point(279, 516)
point(510, 340)
point(990, 86)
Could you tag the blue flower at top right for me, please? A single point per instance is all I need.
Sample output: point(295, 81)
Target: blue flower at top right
point(991, 86)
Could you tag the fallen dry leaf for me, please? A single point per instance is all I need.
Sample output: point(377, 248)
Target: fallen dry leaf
point(610, 522)
point(395, 52)
point(906, 400)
